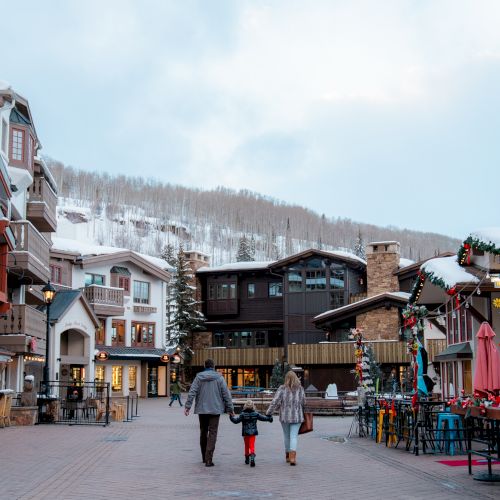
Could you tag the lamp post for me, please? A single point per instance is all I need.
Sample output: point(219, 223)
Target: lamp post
point(49, 293)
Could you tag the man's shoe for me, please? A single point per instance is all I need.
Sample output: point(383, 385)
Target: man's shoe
point(209, 463)
point(247, 459)
point(252, 460)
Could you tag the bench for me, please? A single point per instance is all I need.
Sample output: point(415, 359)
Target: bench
point(341, 406)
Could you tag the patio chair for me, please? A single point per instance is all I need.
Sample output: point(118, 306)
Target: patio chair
point(3, 404)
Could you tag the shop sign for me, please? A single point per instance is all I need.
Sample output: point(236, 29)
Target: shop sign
point(102, 356)
point(164, 358)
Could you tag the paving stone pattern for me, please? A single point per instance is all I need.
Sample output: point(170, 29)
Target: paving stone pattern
point(157, 456)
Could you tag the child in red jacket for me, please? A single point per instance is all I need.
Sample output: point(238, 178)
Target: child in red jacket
point(248, 417)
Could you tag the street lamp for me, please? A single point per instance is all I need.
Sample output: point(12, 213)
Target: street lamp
point(49, 293)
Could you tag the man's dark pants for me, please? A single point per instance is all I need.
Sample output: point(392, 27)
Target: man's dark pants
point(209, 425)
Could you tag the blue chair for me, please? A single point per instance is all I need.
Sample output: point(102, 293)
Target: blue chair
point(449, 431)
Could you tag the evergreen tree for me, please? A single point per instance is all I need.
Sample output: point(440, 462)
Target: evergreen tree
point(168, 254)
point(277, 376)
point(252, 247)
point(359, 246)
point(288, 239)
point(244, 251)
point(182, 304)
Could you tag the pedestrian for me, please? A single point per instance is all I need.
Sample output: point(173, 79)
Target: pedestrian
point(175, 392)
point(248, 417)
point(289, 400)
point(212, 399)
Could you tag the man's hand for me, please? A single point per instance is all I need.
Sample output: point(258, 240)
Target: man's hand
point(186, 412)
point(232, 414)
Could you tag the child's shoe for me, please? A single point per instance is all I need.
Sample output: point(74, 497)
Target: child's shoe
point(247, 459)
point(252, 460)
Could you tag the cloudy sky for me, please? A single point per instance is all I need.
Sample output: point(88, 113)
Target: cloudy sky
point(386, 112)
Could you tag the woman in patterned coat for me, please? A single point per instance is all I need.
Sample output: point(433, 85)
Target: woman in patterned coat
point(289, 400)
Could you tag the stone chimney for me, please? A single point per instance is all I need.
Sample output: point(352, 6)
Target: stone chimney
point(382, 259)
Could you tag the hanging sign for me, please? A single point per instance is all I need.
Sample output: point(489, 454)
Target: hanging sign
point(102, 356)
point(164, 358)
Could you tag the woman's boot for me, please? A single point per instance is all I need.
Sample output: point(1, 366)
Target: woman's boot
point(293, 456)
point(287, 457)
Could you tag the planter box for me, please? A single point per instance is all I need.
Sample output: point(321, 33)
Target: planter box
point(475, 411)
point(23, 415)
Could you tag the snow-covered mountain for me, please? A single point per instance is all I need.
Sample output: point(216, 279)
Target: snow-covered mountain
point(146, 215)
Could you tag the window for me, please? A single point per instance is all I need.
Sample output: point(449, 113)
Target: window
point(118, 332)
point(132, 378)
point(124, 282)
point(336, 299)
point(56, 274)
point(100, 373)
point(4, 136)
point(315, 280)
point(275, 338)
point(336, 276)
point(142, 334)
point(295, 281)
point(251, 290)
point(218, 339)
point(117, 378)
point(16, 151)
point(100, 333)
point(94, 279)
point(141, 292)
point(260, 338)
point(246, 339)
point(221, 291)
point(275, 289)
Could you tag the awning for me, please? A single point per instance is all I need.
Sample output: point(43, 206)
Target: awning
point(120, 270)
point(455, 351)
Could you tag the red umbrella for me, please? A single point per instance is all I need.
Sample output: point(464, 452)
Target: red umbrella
point(487, 369)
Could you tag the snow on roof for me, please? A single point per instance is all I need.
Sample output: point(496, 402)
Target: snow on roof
point(405, 262)
point(488, 235)
point(343, 253)
point(83, 248)
point(383, 243)
point(4, 85)
point(448, 269)
point(236, 266)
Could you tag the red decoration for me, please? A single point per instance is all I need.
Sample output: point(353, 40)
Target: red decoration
point(452, 291)
point(468, 251)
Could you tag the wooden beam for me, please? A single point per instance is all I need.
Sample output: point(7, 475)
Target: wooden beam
point(477, 315)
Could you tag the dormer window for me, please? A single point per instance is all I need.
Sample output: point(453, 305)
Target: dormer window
point(17, 147)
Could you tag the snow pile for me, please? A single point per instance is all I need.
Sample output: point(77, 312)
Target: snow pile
point(448, 269)
point(405, 262)
point(490, 235)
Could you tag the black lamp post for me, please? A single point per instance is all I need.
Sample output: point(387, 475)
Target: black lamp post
point(49, 293)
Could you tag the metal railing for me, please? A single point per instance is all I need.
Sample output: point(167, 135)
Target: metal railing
point(83, 403)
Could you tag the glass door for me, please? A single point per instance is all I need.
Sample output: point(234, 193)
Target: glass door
point(152, 381)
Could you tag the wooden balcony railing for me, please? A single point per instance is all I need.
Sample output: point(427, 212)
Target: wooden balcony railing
point(42, 205)
point(239, 357)
point(31, 252)
point(105, 300)
point(23, 319)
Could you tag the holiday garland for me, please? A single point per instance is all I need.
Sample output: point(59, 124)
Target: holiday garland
point(422, 276)
point(470, 244)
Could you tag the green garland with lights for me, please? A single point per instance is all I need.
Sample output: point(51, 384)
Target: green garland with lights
point(423, 276)
point(472, 243)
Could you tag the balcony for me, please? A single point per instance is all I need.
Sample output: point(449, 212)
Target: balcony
point(42, 205)
point(222, 307)
point(30, 257)
point(20, 325)
point(105, 300)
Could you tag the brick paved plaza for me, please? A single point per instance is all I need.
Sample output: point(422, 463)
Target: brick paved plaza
point(157, 456)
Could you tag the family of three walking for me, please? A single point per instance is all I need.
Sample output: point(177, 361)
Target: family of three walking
point(212, 399)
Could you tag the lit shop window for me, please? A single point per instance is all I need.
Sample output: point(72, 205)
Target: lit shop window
point(132, 378)
point(117, 378)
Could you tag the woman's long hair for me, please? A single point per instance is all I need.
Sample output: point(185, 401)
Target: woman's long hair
point(292, 382)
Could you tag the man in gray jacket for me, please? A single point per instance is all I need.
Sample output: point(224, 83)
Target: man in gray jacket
point(212, 399)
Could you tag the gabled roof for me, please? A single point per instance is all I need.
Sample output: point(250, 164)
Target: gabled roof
point(64, 300)
point(397, 299)
point(413, 268)
point(347, 257)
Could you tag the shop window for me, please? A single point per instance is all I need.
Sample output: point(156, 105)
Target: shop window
point(100, 374)
point(260, 338)
point(132, 378)
point(276, 289)
point(218, 339)
point(251, 290)
point(117, 378)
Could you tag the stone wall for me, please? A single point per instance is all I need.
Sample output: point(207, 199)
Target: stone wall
point(382, 259)
point(379, 324)
point(23, 415)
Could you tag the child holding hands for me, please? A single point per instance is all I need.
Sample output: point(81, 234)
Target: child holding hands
point(248, 417)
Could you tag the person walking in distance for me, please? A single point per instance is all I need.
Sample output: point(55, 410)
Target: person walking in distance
point(248, 417)
point(212, 399)
point(175, 392)
point(289, 400)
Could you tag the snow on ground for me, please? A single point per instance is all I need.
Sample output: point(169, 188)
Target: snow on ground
point(488, 235)
point(448, 269)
